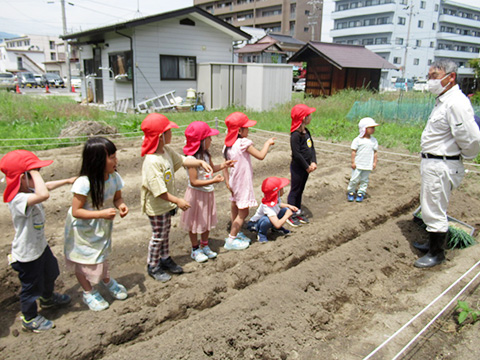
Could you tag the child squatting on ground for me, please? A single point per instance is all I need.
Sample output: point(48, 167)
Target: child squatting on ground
point(202, 215)
point(31, 256)
point(240, 180)
point(271, 214)
point(158, 194)
point(89, 223)
point(304, 159)
point(364, 159)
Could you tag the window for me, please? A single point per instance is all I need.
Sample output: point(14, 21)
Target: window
point(305, 29)
point(401, 20)
point(178, 67)
point(420, 23)
point(399, 41)
point(20, 63)
point(367, 42)
point(430, 61)
point(436, 9)
point(382, 20)
point(422, 4)
point(434, 26)
point(52, 45)
point(307, 12)
point(121, 64)
point(397, 60)
point(403, 2)
point(432, 44)
point(416, 61)
point(380, 41)
point(53, 56)
point(418, 43)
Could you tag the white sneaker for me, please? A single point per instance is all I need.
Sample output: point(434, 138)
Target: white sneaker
point(235, 244)
point(199, 256)
point(95, 301)
point(210, 254)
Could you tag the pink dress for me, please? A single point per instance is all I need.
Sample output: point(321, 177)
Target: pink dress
point(241, 175)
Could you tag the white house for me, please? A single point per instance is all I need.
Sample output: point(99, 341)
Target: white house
point(146, 57)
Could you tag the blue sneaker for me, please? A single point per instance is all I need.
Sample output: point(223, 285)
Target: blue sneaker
point(95, 301)
point(262, 239)
point(351, 196)
point(37, 324)
point(235, 244)
point(359, 197)
point(243, 237)
point(210, 254)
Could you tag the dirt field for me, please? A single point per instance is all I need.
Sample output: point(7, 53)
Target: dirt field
point(335, 289)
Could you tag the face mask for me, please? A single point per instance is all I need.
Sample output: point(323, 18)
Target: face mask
point(435, 85)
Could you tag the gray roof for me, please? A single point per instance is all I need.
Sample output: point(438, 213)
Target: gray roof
point(343, 56)
point(194, 11)
point(287, 39)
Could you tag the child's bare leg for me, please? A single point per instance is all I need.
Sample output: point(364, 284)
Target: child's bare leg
point(204, 238)
point(234, 211)
point(84, 283)
point(238, 222)
point(193, 239)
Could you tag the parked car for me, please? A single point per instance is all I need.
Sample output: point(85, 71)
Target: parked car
point(52, 80)
point(400, 84)
point(26, 79)
point(76, 81)
point(300, 85)
point(420, 85)
point(38, 79)
point(7, 81)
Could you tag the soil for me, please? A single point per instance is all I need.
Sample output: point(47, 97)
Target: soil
point(337, 288)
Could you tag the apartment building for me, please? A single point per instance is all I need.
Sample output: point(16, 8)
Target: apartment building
point(34, 53)
point(301, 19)
point(410, 33)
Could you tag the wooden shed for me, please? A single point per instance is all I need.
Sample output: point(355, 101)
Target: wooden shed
point(333, 67)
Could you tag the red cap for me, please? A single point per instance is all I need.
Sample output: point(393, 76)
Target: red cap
point(234, 122)
point(270, 187)
point(195, 133)
point(300, 112)
point(153, 126)
point(13, 165)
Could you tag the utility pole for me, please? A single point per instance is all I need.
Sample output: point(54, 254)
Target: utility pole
point(67, 50)
point(408, 38)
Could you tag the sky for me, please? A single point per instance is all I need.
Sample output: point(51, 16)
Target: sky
point(44, 17)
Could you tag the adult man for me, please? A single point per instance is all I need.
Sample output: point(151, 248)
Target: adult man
point(449, 135)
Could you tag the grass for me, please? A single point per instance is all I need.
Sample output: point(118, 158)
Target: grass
point(25, 117)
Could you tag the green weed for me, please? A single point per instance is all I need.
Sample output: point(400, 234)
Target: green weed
point(466, 313)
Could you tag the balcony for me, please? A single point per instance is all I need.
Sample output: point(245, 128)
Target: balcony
point(458, 38)
point(362, 30)
point(455, 54)
point(457, 20)
point(363, 11)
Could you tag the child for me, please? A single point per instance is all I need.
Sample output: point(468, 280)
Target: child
point(240, 180)
point(304, 159)
point(202, 216)
point(158, 195)
point(364, 159)
point(31, 256)
point(88, 228)
point(271, 214)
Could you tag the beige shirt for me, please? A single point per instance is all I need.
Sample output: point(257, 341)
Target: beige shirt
point(158, 178)
point(451, 129)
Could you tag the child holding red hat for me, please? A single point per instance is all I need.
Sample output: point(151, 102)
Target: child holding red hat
point(240, 180)
point(271, 214)
point(158, 195)
point(202, 215)
point(304, 159)
point(31, 256)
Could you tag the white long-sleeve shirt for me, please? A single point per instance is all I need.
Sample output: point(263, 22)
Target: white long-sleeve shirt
point(451, 129)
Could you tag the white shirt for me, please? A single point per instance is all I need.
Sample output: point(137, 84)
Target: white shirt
point(451, 129)
point(266, 210)
point(365, 149)
point(29, 242)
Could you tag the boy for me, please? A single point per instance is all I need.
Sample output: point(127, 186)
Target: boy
point(271, 214)
point(364, 159)
point(158, 194)
point(31, 256)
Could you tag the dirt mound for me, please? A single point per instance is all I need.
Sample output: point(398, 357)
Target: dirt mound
point(87, 127)
point(335, 289)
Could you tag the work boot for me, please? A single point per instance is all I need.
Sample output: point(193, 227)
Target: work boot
point(436, 252)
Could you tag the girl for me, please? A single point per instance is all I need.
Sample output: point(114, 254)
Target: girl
point(240, 180)
point(304, 159)
point(88, 229)
point(202, 216)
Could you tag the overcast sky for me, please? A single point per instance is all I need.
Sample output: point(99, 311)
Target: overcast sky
point(44, 17)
